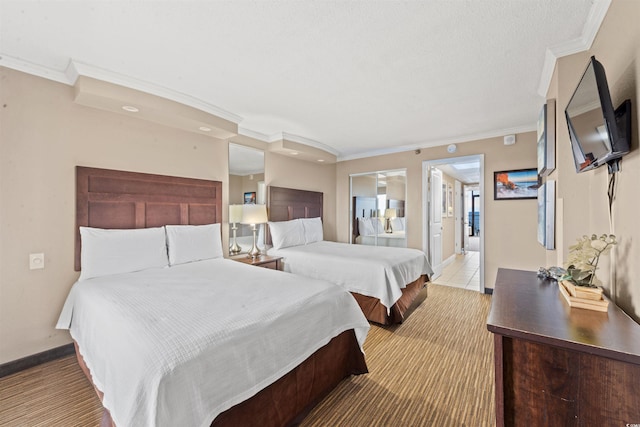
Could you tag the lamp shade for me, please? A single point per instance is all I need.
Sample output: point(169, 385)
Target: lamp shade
point(254, 214)
point(235, 213)
point(390, 213)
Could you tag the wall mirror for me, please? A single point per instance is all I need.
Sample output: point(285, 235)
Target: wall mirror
point(377, 214)
point(246, 186)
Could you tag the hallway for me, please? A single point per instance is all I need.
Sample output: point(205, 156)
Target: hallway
point(464, 272)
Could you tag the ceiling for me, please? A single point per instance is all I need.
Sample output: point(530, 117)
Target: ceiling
point(245, 160)
point(354, 78)
point(465, 171)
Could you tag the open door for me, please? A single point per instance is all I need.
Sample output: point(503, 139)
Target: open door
point(435, 221)
point(467, 172)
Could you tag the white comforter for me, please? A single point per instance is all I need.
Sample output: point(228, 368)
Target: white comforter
point(375, 271)
point(179, 345)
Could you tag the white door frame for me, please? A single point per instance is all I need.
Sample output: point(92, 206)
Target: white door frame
point(426, 201)
point(458, 215)
point(437, 203)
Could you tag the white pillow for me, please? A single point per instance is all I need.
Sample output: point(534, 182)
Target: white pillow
point(377, 225)
point(312, 230)
point(286, 233)
point(397, 224)
point(361, 227)
point(105, 252)
point(188, 243)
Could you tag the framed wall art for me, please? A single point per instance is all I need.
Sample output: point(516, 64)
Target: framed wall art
point(250, 198)
point(547, 138)
point(547, 214)
point(516, 184)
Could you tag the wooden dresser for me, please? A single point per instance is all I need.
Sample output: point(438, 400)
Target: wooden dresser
point(561, 366)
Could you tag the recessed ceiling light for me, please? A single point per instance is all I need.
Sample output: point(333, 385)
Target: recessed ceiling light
point(204, 129)
point(130, 108)
point(294, 153)
point(321, 160)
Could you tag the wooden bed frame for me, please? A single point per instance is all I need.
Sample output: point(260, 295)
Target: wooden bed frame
point(286, 204)
point(117, 199)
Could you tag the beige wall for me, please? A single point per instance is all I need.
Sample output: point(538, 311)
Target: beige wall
point(582, 198)
point(284, 171)
point(510, 225)
point(396, 188)
point(238, 185)
point(43, 136)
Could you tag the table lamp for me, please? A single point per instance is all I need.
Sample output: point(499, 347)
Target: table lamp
point(254, 215)
point(388, 214)
point(235, 216)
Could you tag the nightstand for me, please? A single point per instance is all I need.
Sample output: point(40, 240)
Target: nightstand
point(264, 261)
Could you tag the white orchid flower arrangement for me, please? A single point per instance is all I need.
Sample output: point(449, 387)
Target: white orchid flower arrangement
point(584, 256)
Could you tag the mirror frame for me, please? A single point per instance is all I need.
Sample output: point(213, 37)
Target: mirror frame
point(245, 162)
point(379, 211)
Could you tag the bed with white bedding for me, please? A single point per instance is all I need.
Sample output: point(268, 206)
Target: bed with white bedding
point(382, 273)
point(179, 345)
point(395, 239)
point(385, 281)
point(170, 333)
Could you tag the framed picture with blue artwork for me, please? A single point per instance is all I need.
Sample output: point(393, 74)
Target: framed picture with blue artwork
point(516, 184)
point(250, 198)
point(547, 214)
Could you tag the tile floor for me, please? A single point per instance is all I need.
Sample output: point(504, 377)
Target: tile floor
point(464, 272)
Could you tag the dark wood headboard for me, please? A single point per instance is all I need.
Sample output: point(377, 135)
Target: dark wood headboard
point(116, 199)
point(287, 203)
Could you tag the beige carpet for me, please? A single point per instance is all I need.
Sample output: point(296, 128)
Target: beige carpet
point(436, 369)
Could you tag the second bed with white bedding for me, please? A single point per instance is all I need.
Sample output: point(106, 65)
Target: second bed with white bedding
point(374, 271)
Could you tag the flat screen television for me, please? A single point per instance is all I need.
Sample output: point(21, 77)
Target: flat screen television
point(599, 134)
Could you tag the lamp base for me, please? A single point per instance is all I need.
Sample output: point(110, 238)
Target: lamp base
point(234, 249)
point(254, 252)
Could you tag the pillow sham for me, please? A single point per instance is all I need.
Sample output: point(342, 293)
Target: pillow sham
point(189, 243)
point(364, 227)
point(376, 225)
point(286, 233)
point(397, 224)
point(108, 251)
point(312, 230)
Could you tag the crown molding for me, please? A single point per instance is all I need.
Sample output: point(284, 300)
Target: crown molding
point(76, 68)
point(306, 141)
point(253, 134)
point(440, 142)
point(594, 20)
point(34, 69)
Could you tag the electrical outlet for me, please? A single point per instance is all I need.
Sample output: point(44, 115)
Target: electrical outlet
point(36, 261)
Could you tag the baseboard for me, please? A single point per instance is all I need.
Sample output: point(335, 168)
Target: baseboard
point(449, 260)
point(36, 359)
point(488, 291)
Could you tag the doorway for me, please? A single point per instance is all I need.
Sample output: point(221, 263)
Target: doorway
point(453, 220)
